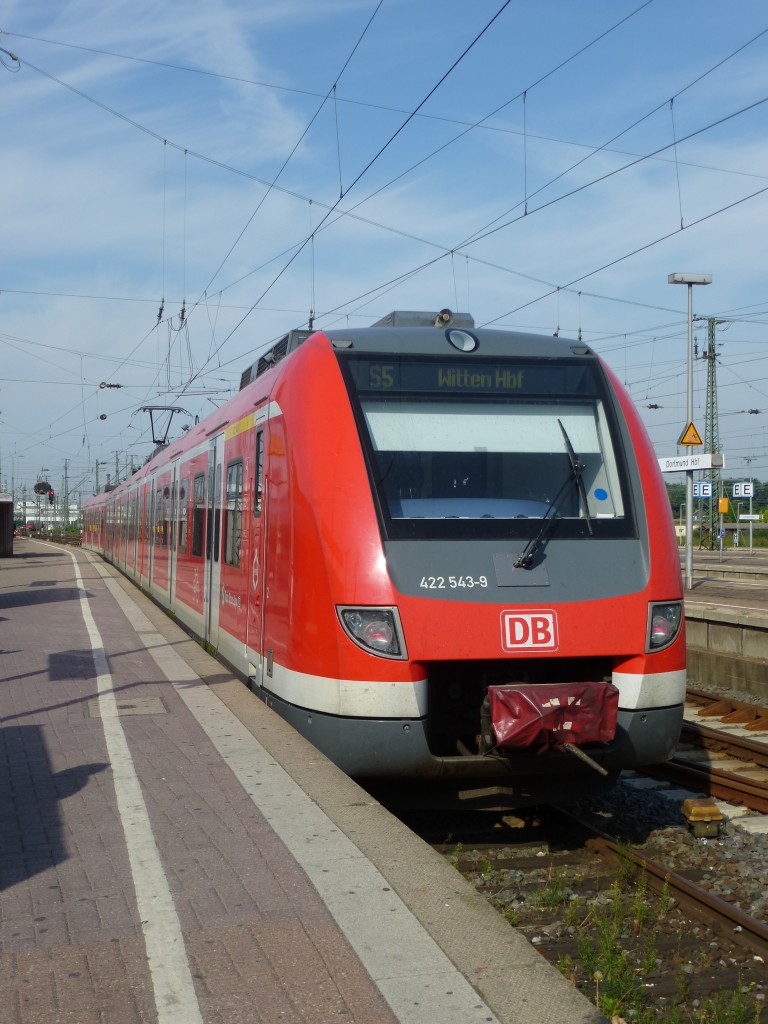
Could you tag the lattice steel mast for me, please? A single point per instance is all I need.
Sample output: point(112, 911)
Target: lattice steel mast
point(709, 523)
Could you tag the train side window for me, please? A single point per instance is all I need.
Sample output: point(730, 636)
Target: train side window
point(158, 517)
point(233, 522)
point(258, 486)
point(183, 493)
point(198, 515)
point(166, 494)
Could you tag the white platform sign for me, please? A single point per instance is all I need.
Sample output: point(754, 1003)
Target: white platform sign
point(685, 463)
point(746, 489)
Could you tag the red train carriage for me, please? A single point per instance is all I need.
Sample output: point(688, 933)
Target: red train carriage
point(434, 549)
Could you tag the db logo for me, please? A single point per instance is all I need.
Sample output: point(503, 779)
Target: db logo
point(534, 630)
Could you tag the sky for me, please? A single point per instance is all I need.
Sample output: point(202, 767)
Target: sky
point(183, 183)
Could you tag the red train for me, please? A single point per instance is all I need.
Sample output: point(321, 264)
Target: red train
point(436, 550)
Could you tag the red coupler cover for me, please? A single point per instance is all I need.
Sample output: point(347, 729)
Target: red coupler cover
point(549, 715)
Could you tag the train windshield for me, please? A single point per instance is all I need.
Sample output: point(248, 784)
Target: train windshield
point(493, 446)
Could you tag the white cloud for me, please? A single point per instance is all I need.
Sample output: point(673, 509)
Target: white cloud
point(95, 206)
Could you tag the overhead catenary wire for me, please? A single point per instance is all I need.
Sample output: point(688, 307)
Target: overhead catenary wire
point(192, 375)
point(476, 124)
point(635, 124)
point(453, 253)
point(485, 232)
point(348, 100)
point(370, 164)
point(273, 183)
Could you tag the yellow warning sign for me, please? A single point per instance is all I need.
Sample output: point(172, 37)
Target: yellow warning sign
point(690, 435)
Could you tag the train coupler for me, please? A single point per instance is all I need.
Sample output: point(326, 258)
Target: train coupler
point(571, 748)
point(560, 716)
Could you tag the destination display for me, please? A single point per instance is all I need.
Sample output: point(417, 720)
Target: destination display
point(431, 376)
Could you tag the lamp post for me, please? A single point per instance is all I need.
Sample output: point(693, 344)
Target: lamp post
point(690, 280)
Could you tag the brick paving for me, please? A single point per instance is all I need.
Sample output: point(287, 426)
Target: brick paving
point(261, 945)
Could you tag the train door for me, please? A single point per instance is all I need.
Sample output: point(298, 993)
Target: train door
point(142, 533)
point(258, 549)
point(124, 530)
point(136, 529)
point(173, 536)
point(213, 543)
point(149, 535)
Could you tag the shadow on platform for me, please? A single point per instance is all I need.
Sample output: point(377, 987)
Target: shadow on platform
point(31, 835)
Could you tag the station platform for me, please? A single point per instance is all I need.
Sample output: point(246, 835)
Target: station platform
point(726, 613)
point(172, 852)
point(734, 565)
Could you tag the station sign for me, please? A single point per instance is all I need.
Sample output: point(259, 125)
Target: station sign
point(702, 489)
point(685, 463)
point(746, 489)
point(750, 518)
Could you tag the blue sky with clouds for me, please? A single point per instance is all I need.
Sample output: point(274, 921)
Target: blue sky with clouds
point(539, 164)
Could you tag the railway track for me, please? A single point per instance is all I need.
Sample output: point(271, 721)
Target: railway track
point(646, 919)
point(652, 922)
point(723, 751)
point(631, 924)
point(728, 711)
point(747, 931)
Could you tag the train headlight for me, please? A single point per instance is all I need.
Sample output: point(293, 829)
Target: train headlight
point(376, 630)
point(664, 622)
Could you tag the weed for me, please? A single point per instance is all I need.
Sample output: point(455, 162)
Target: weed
point(568, 967)
point(587, 955)
point(485, 866)
point(511, 914)
point(640, 906)
point(554, 894)
point(455, 857)
point(683, 983)
point(649, 962)
point(573, 912)
point(737, 1007)
point(616, 989)
point(626, 871)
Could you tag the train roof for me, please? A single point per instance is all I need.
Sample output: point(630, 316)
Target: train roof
point(421, 332)
point(428, 341)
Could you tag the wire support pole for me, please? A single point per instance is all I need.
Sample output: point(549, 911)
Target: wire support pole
point(690, 280)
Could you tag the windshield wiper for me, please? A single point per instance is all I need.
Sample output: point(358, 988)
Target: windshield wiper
point(525, 560)
point(577, 468)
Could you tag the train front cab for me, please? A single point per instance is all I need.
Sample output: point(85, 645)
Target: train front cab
point(480, 520)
